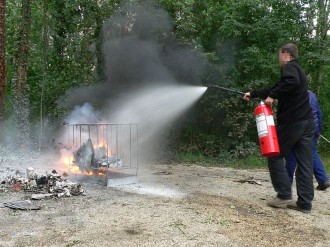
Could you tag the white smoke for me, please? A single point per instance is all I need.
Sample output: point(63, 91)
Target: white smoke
point(84, 114)
point(154, 109)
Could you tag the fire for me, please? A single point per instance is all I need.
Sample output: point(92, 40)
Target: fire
point(68, 161)
point(66, 158)
point(96, 149)
point(102, 141)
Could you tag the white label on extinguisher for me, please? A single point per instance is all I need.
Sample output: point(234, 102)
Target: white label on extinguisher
point(262, 125)
point(270, 120)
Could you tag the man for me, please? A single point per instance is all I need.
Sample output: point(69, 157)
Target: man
point(295, 129)
point(318, 167)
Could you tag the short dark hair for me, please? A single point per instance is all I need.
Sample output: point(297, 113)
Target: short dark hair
point(292, 49)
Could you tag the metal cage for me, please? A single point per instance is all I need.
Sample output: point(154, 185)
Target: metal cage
point(104, 148)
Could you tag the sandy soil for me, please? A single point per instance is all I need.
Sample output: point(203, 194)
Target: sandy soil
point(169, 205)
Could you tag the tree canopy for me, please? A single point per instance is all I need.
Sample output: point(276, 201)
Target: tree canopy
point(228, 43)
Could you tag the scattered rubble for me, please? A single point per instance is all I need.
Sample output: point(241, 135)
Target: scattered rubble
point(40, 186)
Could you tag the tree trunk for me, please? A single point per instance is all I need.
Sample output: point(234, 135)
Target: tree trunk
point(20, 86)
point(2, 58)
point(44, 70)
point(321, 36)
point(60, 29)
point(99, 54)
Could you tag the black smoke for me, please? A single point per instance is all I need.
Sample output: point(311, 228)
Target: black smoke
point(140, 50)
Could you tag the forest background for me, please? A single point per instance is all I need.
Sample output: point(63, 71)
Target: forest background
point(52, 49)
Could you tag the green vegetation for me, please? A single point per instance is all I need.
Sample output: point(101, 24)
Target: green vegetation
point(238, 41)
point(324, 151)
point(251, 161)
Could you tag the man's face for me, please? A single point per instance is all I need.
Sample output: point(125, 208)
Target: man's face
point(284, 57)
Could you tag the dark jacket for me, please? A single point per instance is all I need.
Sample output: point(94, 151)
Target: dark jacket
point(316, 111)
point(291, 93)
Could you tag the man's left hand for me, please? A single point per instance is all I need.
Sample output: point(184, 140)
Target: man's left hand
point(269, 101)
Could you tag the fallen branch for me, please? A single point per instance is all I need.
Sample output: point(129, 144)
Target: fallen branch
point(248, 180)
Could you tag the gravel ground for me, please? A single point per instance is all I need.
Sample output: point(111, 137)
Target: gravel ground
point(168, 205)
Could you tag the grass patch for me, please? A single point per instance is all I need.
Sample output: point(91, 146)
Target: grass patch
point(324, 152)
point(325, 157)
point(198, 158)
point(249, 162)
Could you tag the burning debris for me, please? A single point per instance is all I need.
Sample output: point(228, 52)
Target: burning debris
point(84, 156)
point(41, 186)
point(96, 160)
point(106, 152)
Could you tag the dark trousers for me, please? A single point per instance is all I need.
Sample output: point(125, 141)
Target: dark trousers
point(298, 138)
point(318, 167)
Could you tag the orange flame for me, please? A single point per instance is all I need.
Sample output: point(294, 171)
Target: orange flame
point(67, 160)
point(100, 139)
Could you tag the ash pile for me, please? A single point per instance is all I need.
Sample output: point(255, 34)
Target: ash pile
point(40, 186)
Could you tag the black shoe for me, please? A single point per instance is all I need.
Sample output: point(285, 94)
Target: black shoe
point(294, 206)
point(323, 186)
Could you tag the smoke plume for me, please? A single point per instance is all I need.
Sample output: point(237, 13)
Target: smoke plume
point(150, 79)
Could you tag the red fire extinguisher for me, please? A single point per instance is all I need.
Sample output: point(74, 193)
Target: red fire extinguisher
point(266, 130)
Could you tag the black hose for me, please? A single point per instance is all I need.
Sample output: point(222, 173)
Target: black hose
point(229, 90)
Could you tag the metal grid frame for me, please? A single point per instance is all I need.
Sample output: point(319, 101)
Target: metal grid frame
point(120, 141)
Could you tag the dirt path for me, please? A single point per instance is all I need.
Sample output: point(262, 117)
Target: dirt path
point(170, 205)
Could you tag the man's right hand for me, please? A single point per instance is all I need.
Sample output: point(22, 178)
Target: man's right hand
point(269, 101)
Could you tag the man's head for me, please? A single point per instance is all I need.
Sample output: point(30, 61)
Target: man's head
point(288, 52)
